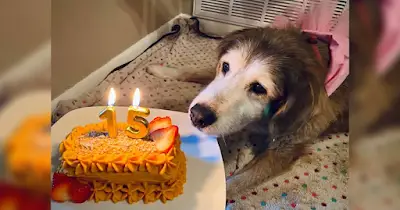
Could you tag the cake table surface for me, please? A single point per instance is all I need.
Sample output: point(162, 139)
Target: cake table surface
point(205, 187)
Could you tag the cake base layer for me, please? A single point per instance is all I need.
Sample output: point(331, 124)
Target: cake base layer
point(134, 192)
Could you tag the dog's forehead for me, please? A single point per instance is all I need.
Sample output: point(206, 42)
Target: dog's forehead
point(242, 59)
point(237, 58)
point(251, 68)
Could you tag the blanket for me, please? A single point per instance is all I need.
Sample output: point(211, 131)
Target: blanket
point(316, 181)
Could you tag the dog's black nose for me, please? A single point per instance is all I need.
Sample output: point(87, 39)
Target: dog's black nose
point(202, 116)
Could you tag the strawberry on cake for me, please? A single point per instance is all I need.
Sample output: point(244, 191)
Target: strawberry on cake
point(96, 167)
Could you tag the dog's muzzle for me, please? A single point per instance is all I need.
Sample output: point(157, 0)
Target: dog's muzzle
point(202, 116)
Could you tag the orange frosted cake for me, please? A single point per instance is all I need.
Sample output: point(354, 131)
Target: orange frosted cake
point(97, 167)
point(27, 153)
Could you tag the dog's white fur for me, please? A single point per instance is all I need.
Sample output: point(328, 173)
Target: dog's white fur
point(228, 94)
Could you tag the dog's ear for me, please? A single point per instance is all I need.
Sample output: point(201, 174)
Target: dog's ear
point(295, 106)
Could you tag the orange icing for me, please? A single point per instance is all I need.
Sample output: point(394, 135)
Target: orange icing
point(122, 168)
point(136, 191)
point(29, 146)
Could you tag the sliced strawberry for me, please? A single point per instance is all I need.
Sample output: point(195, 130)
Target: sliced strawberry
point(159, 123)
point(19, 198)
point(60, 192)
point(10, 203)
point(61, 187)
point(164, 138)
point(80, 192)
point(35, 202)
point(7, 189)
point(59, 178)
point(10, 197)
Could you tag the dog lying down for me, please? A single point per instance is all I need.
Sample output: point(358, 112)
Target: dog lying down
point(271, 83)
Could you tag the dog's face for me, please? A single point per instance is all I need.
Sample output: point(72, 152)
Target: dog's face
point(258, 70)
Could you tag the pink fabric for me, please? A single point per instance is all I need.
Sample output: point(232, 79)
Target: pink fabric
point(319, 22)
point(389, 45)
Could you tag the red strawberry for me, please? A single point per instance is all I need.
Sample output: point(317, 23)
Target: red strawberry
point(164, 138)
point(10, 203)
point(159, 123)
point(7, 189)
point(35, 202)
point(59, 178)
point(15, 197)
point(61, 186)
point(60, 192)
point(80, 192)
point(10, 197)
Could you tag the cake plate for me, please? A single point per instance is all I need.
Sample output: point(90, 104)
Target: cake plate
point(205, 186)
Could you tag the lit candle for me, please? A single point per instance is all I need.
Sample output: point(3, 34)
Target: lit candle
point(136, 118)
point(109, 114)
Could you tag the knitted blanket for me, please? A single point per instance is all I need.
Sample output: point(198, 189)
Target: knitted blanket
point(316, 181)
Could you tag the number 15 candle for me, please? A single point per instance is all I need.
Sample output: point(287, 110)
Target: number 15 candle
point(109, 114)
point(136, 118)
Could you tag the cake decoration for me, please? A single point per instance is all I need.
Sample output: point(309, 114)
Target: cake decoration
point(164, 138)
point(102, 167)
point(109, 115)
point(69, 189)
point(136, 118)
point(159, 122)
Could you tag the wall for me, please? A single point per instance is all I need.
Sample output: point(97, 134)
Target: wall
point(24, 26)
point(88, 33)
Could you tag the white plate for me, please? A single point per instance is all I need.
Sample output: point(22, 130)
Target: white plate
point(205, 186)
point(19, 108)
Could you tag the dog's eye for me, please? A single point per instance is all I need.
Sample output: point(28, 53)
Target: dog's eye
point(257, 88)
point(225, 67)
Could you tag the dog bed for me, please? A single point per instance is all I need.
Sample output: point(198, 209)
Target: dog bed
point(316, 181)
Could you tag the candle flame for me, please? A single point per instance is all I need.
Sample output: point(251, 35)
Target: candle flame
point(111, 97)
point(136, 98)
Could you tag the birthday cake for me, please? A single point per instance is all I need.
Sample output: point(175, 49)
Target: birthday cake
point(97, 167)
point(27, 151)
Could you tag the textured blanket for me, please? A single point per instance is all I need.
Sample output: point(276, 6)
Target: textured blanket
point(316, 181)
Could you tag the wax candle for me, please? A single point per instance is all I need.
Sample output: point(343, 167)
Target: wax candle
point(109, 115)
point(136, 118)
